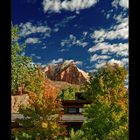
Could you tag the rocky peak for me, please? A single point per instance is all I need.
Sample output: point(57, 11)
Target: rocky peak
point(66, 71)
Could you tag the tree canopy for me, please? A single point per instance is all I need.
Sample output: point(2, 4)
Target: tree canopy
point(68, 93)
point(25, 76)
point(107, 116)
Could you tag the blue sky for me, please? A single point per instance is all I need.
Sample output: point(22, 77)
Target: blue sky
point(89, 32)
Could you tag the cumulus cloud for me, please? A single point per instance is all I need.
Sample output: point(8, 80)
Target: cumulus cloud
point(33, 54)
point(120, 62)
point(63, 50)
point(95, 57)
point(79, 63)
point(100, 64)
point(125, 61)
point(111, 44)
point(113, 61)
point(38, 57)
point(121, 17)
point(28, 28)
point(122, 3)
point(55, 61)
point(72, 40)
point(102, 38)
point(56, 29)
point(63, 22)
point(44, 47)
point(61, 60)
point(70, 17)
point(32, 40)
point(72, 5)
point(107, 14)
point(106, 47)
point(123, 53)
point(119, 31)
point(85, 34)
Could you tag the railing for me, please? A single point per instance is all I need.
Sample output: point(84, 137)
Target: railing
point(64, 118)
point(72, 118)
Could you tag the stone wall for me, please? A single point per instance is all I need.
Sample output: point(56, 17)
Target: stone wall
point(18, 100)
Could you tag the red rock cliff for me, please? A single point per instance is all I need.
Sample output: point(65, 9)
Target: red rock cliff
point(67, 72)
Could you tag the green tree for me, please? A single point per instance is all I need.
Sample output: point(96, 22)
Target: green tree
point(24, 75)
point(68, 93)
point(107, 116)
point(78, 135)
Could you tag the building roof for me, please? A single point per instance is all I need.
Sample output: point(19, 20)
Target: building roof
point(74, 103)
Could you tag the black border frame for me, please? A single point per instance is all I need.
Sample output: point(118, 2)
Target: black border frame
point(5, 70)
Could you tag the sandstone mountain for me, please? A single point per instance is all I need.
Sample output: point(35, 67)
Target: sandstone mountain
point(59, 76)
point(66, 71)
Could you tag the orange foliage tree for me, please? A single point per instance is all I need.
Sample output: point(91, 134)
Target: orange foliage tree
point(42, 116)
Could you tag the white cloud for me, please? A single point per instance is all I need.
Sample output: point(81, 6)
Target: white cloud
point(123, 53)
point(28, 28)
point(70, 17)
point(121, 62)
point(113, 61)
point(104, 47)
point(72, 40)
point(54, 61)
point(33, 54)
point(119, 31)
point(79, 63)
point(125, 61)
point(108, 16)
point(63, 22)
point(59, 60)
point(122, 3)
point(38, 57)
point(92, 70)
point(23, 53)
point(121, 17)
point(56, 29)
point(111, 43)
point(44, 47)
point(72, 5)
point(38, 63)
point(32, 40)
point(80, 43)
point(100, 64)
point(63, 42)
point(85, 34)
point(63, 50)
point(95, 57)
point(102, 38)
